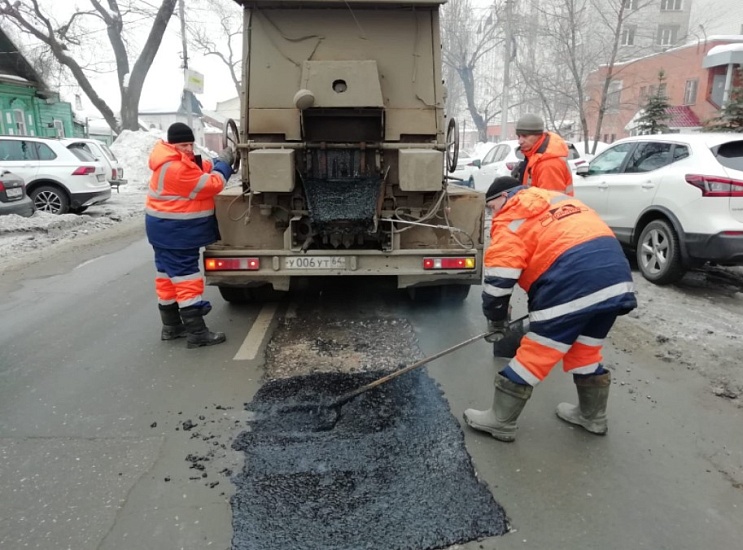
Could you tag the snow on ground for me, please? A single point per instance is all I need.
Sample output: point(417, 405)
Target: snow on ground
point(696, 324)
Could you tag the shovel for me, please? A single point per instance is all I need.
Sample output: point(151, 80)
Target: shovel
point(514, 326)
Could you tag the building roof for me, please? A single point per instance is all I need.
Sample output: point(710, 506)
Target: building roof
point(13, 62)
point(682, 117)
point(724, 55)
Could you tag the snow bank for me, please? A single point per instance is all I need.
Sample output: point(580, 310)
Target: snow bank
point(133, 151)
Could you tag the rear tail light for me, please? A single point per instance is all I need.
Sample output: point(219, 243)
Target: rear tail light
point(113, 174)
point(579, 162)
point(2, 186)
point(715, 186)
point(84, 171)
point(232, 264)
point(464, 262)
point(511, 165)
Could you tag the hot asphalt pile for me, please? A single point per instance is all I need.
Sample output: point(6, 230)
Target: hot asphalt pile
point(390, 472)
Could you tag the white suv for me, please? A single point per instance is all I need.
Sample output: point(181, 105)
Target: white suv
point(58, 180)
point(100, 152)
point(677, 199)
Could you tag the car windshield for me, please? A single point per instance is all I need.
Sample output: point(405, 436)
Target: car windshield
point(82, 154)
point(108, 152)
point(730, 155)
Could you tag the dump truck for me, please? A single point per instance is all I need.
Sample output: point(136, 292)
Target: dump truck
point(344, 153)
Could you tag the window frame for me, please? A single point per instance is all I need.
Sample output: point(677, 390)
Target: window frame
point(690, 98)
point(627, 37)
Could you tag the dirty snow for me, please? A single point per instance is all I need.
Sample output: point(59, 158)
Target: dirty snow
point(696, 324)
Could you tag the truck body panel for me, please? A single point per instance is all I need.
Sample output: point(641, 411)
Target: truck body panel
point(343, 145)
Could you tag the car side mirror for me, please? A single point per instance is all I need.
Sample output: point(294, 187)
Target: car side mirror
point(477, 163)
point(582, 170)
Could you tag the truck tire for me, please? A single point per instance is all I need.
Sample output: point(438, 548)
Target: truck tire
point(658, 254)
point(257, 294)
point(235, 294)
point(455, 294)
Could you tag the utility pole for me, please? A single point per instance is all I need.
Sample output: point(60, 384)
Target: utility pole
point(506, 74)
point(186, 94)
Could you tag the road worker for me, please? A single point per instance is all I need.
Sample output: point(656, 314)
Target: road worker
point(545, 163)
point(179, 220)
point(578, 281)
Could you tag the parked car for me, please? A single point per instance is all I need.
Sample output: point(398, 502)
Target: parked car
point(13, 197)
point(499, 161)
point(58, 179)
point(676, 199)
point(100, 152)
point(467, 165)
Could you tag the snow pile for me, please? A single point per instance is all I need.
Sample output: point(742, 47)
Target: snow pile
point(133, 151)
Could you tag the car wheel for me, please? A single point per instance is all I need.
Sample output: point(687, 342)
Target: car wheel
point(658, 254)
point(48, 198)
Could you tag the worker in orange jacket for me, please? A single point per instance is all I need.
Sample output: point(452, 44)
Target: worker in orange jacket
point(179, 220)
point(578, 281)
point(545, 163)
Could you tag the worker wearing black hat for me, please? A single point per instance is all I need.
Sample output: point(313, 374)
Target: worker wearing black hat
point(179, 220)
point(545, 163)
point(578, 281)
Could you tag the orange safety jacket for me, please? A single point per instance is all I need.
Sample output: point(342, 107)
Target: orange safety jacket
point(546, 165)
point(179, 208)
point(561, 253)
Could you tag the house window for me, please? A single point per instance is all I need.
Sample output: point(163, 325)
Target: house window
point(20, 122)
point(690, 92)
point(643, 94)
point(670, 5)
point(613, 96)
point(58, 128)
point(628, 35)
point(667, 34)
point(630, 4)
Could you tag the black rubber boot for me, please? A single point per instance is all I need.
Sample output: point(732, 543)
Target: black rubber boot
point(198, 334)
point(500, 420)
point(173, 326)
point(590, 413)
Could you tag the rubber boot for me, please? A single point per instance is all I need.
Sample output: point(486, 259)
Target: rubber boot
point(173, 326)
point(198, 334)
point(500, 420)
point(590, 413)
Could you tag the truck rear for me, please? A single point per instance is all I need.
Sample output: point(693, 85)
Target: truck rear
point(344, 148)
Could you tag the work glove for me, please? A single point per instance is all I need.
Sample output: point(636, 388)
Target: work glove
point(227, 156)
point(497, 330)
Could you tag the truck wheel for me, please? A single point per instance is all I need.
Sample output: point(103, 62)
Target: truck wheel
point(266, 293)
point(658, 254)
point(455, 294)
point(235, 294)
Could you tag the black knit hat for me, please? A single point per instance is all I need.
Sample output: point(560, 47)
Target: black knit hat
point(180, 133)
point(499, 185)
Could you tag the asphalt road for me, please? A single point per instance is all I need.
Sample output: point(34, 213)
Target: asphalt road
point(112, 439)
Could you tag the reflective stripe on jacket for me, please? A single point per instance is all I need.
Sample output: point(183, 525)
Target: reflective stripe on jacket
point(546, 165)
point(179, 208)
point(560, 252)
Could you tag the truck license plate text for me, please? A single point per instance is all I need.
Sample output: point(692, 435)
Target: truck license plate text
point(315, 262)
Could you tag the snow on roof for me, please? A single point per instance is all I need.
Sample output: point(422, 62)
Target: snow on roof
point(714, 38)
point(722, 48)
point(14, 78)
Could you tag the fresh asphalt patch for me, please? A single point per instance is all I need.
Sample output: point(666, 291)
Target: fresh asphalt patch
point(388, 470)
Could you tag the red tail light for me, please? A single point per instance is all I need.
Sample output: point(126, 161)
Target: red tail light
point(511, 165)
point(2, 187)
point(84, 171)
point(715, 186)
point(113, 174)
point(465, 262)
point(232, 264)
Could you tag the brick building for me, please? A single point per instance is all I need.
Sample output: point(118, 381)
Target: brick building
point(697, 78)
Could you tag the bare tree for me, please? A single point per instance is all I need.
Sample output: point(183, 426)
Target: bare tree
point(68, 41)
point(466, 43)
point(223, 40)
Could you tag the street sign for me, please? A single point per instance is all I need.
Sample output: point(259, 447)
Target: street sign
point(194, 82)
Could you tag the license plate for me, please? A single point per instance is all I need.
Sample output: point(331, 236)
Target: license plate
point(14, 193)
point(101, 177)
point(315, 262)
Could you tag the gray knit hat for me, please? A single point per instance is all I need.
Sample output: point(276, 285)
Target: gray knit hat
point(530, 124)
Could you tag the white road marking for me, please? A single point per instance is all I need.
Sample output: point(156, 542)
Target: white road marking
point(252, 343)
